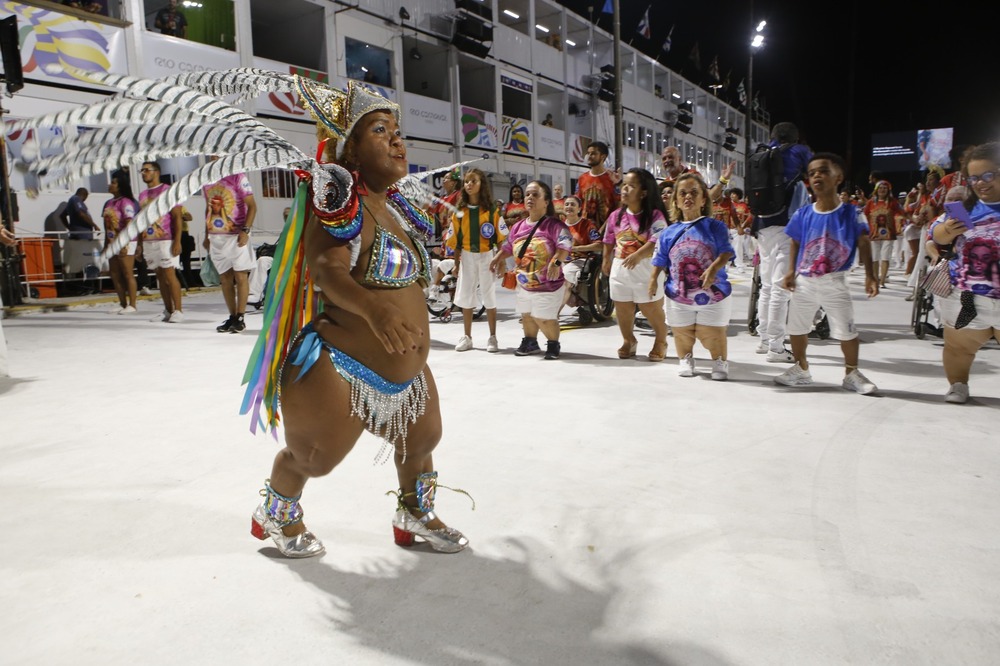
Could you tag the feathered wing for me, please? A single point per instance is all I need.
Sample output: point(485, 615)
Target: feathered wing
point(244, 82)
point(214, 171)
point(413, 186)
point(99, 150)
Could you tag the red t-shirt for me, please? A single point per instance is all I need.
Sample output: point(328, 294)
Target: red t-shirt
point(598, 196)
point(584, 232)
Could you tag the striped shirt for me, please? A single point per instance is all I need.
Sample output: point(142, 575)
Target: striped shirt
point(476, 231)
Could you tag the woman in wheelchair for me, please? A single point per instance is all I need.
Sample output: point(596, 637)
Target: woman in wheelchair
point(586, 243)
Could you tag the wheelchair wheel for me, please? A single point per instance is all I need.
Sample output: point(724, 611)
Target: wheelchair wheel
point(752, 320)
point(599, 295)
point(822, 328)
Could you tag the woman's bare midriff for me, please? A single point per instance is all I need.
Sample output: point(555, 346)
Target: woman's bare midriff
point(352, 335)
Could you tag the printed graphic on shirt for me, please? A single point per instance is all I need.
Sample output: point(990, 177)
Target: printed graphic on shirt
point(161, 229)
point(227, 212)
point(976, 266)
point(689, 259)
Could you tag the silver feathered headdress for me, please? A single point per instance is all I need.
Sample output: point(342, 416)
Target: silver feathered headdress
point(183, 115)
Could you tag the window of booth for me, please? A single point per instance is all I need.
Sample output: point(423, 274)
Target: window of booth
point(368, 63)
point(209, 22)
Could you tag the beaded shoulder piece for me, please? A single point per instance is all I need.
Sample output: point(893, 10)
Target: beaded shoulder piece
point(419, 221)
point(342, 222)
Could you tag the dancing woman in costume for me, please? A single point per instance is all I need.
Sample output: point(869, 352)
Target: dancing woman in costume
point(355, 357)
point(362, 363)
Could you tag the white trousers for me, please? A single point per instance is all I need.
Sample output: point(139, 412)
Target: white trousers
point(772, 304)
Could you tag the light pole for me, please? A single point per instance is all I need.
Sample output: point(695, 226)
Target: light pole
point(756, 42)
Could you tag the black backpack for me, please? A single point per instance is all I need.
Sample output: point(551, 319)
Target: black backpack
point(767, 192)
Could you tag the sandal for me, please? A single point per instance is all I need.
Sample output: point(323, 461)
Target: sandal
point(627, 350)
point(658, 352)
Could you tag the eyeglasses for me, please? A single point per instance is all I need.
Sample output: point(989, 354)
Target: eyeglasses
point(986, 178)
point(146, 170)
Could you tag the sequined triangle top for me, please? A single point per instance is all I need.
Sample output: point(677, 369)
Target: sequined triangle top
point(392, 264)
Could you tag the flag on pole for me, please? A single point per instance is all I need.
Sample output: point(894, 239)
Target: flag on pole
point(725, 81)
point(695, 57)
point(742, 92)
point(609, 8)
point(756, 101)
point(666, 42)
point(713, 69)
point(644, 28)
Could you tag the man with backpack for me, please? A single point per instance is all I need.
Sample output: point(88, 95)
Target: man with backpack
point(776, 189)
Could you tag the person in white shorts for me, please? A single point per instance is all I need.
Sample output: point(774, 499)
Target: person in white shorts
point(630, 234)
point(230, 210)
point(825, 237)
point(160, 245)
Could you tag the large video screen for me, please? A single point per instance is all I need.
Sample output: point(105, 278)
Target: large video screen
point(913, 150)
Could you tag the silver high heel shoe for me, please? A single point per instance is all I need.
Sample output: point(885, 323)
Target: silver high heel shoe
point(406, 526)
point(277, 511)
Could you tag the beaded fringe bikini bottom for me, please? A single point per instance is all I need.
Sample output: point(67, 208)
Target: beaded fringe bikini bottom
point(386, 408)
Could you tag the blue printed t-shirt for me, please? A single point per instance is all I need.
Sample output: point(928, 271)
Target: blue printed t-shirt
point(827, 241)
point(552, 235)
point(976, 266)
point(685, 257)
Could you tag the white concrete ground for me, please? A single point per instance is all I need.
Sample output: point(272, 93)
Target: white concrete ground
point(623, 515)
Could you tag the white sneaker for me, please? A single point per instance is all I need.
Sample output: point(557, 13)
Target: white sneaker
point(464, 344)
point(146, 291)
point(794, 376)
point(163, 316)
point(176, 317)
point(763, 347)
point(685, 367)
point(720, 371)
point(957, 394)
point(858, 383)
point(127, 310)
point(492, 345)
point(783, 356)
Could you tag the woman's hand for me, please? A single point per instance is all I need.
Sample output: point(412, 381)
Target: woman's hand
point(788, 282)
point(497, 266)
point(397, 334)
point(708, 277)
point(553, 270)
point(631, 261)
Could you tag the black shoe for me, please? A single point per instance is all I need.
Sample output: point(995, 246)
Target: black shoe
point(552, 348)
point(527, 347)
point(227, 325)
point(238, 325)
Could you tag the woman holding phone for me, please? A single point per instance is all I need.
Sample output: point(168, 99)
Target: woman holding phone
point(972, 312)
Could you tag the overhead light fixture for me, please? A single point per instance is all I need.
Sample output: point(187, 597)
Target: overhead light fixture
point(675, 95)
point(758, 41)
point(511, 14)
point(403, 14)
point(415, 54)
point(364, 69)
point(570, 42)
point(761, 26)
point(541, 27)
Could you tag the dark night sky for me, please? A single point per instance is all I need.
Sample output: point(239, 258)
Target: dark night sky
point(914, 64)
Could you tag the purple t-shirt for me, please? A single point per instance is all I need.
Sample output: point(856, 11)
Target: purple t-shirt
point(622, 231)
point(226, 203)
point(827, 241)
point(552, 235)
point(163, 228)
point(118, 212)
point(976, 266)
point(684, 250)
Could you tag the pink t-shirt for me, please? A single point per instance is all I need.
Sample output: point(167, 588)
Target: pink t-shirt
point(226, 202)
point(163, 228)
point(552, 235)
point(117, 214)
point(622, 231)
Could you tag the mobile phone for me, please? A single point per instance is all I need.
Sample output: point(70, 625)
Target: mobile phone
point(956, 210)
